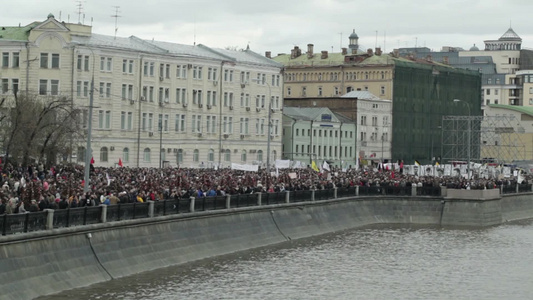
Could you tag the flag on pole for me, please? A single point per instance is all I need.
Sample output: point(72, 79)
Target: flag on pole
point(120, 162)
point(314, 166)
point(325, 166)
point(417, 163)
point(437, 163)
point(92, 160)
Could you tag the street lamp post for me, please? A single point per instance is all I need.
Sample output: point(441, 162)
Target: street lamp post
point(467, 136)
point(161, 142)
point(88, 151)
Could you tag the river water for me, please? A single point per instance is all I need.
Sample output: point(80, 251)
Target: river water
point(378, 262)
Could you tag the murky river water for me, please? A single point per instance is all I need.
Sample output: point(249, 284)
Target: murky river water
point(372, 263)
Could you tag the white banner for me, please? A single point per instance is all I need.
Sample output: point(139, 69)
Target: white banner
point(283, 164)
point(251, 168)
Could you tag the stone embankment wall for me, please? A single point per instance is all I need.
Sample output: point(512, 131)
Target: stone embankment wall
point(42, 263)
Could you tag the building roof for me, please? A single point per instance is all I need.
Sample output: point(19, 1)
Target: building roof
point(521, 109)
point(313, 114)
point(510, 35)
point(366, 95)
point(17, 33)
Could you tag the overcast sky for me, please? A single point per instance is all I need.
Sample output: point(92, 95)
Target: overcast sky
point(279, 25)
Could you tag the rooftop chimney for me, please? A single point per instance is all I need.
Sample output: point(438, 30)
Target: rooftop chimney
point(396, 53)
point(344, 51)
point(324, 55)
point(309, 50)
point(369, 52)
point(378, 51)
point(268, 54)
point(428, 58)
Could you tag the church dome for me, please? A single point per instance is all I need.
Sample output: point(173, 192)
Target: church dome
point(474, 48)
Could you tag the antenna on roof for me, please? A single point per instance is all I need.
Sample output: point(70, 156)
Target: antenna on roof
point(116, 16)
point(80, 9)
point(60, 16)
point(194, 32)
point(340, 41)
point(376, 45)
point(385, 41)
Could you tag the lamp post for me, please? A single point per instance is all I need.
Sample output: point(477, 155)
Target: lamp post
point(161, 142)
point(467, 136)
point(88, 150)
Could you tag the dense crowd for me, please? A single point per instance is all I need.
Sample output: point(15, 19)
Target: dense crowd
point(34, 188)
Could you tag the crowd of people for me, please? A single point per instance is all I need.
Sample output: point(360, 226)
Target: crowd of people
point(34, 188)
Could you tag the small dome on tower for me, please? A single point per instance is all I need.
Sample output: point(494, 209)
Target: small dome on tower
point(50, 15)
point(353, 35)
point(474, 48)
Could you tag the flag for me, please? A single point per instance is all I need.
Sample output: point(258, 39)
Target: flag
point(92, 160)
point(325, 166)
point(437, 163)
point(417, 163)
point(120, 162)
point(314, 167)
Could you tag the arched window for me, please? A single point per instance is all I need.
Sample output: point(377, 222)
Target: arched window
point(259, 155)
point(81, 154)
point(211, 155)
point(196, 155)
point(180, 156)
point(146, 155)
point(243, 155)
point(227, 155)
point(103, 154)
point(126, 155)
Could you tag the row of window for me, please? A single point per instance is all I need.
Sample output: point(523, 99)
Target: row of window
point(321, 132)
point(198, 123)
point(147, 155)
point(10, 59)
point(336, 90)
point(385, 120)
point(165, 70)
point(374, 136)
point(324, 151)
point(335, 76)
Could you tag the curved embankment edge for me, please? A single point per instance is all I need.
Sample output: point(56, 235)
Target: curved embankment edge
point(43, 263)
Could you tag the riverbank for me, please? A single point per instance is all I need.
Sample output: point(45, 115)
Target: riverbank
point(48, 262)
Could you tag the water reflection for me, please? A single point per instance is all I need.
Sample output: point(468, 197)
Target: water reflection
point(379, 262)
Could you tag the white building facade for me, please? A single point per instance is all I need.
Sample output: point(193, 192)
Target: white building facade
point(154, 103)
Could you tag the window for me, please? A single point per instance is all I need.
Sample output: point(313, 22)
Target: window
point(55, 61)
point(126, 120)
point(127, 91)
point(44, 60)
point(382, 90)
point(227, 155)
point(196, 155)
point(43, 86)
point(180, 123)
point(54, 87)
point(196, 124)
point(125, 155)
point(374, 121)
point(243, 155)
point(15, 86)
point(197, 72)
point(146, 155)
point(103, 154)
point(211, 155)
point(259, 155)
point(319, 91)
point(288, 91)
point(180, 156)
point(106, 64)
point(363, 120)
point(5, 85)
point(127, 66)
point(81, 154)
point(181, 95)
point(5, 59)
point(16, 60)
point(104, 119)
point(227, 125)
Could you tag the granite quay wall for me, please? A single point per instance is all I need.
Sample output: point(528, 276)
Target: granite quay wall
point(49, 261)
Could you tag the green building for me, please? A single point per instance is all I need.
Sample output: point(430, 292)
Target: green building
point(317, 133)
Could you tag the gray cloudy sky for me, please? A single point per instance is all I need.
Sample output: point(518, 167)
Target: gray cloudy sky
point(278, 25)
